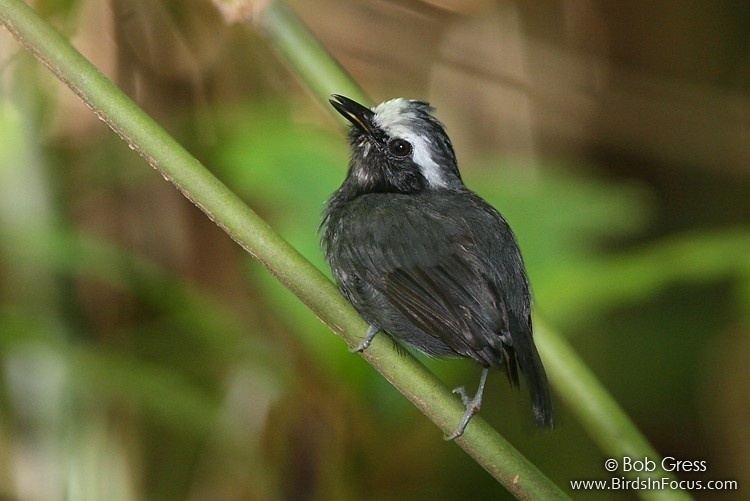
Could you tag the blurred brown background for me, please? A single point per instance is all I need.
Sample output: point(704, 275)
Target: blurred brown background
point(145, 356)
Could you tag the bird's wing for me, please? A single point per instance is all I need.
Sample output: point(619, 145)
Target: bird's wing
point(430, 268)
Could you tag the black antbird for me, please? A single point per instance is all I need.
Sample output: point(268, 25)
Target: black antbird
point(423, 258)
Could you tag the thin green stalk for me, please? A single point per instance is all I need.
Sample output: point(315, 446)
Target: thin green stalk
point(299, 48)
point(604, 420)
point(598, 412)
point(228, 211)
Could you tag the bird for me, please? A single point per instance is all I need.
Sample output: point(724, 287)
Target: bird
point(424, 259)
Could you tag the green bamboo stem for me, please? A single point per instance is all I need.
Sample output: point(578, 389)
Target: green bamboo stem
point(602, 418)
point(300, 49)
point(228, 211)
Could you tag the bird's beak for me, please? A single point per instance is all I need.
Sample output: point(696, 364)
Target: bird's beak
point(360, 116)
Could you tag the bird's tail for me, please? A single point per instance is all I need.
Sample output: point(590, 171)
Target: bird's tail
point(533, 370)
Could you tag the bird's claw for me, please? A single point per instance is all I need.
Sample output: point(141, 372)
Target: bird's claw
point(361, 346)
point(461, 392)
point(369, 335)
point(471, 406)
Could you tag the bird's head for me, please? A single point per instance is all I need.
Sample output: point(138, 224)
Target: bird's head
point(398, 146)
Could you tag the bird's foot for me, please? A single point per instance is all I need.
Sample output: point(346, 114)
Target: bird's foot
point(369, 335)
point(461, 392)
point(471, 404)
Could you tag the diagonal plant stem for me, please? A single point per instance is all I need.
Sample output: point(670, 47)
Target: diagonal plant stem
point(308, 59)
point(604, 420)
point(228, 211)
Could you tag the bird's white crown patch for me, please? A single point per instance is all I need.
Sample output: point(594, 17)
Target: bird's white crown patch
point(398, 118)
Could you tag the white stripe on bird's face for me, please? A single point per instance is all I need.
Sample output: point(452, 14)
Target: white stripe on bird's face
point(397, 118)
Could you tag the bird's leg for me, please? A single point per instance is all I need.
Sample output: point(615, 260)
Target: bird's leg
point(369, 335)
point(472, 404)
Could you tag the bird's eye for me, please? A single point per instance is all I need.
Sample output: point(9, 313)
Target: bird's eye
point(399, 147)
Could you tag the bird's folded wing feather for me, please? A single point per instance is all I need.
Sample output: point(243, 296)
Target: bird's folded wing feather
point(431, 274)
